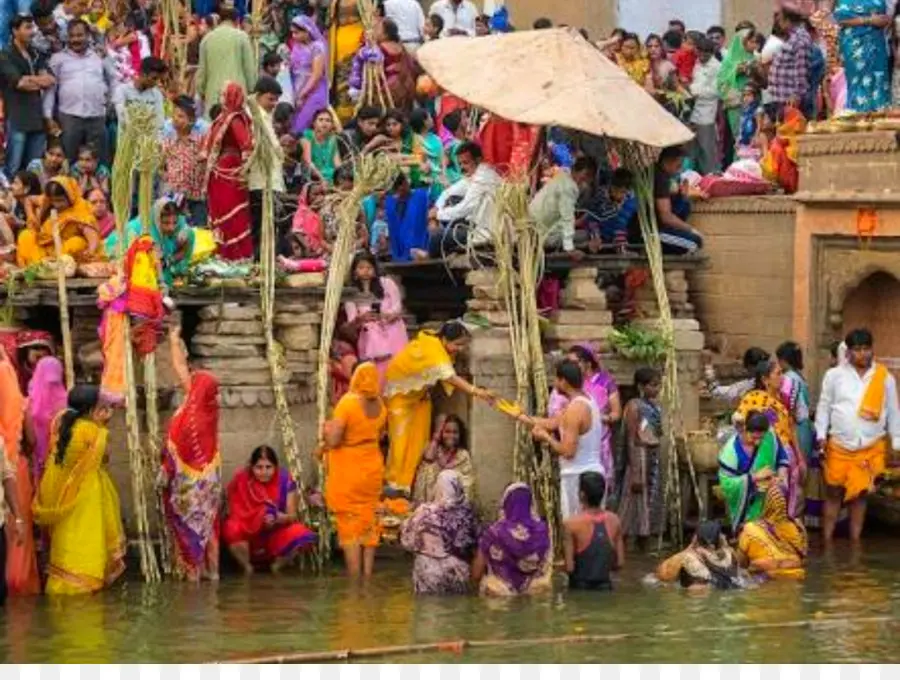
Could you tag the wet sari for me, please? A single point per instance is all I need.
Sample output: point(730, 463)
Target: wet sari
point(414, 370)
point(230, 142)
point(516, 547)
point(442, 534)
point(21, 561)
point(784, 426)
point(355, 468)
point(743, 498)
point(47, 397)
point(775, 544)
point(79, 504)
point(250, 502)
point(192, 471)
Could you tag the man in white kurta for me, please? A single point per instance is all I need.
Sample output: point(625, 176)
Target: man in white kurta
point(856, 414)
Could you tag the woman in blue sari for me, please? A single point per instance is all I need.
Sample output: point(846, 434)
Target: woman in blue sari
point(170, 232)
point(864, 49)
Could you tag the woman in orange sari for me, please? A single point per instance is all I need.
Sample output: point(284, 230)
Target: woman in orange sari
point(230, 143)
point(355, 468)
point(262, 526)
point(77, 227)
point(21, 561)
point(191, 473)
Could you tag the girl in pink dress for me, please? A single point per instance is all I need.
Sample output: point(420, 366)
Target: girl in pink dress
point(379, 324)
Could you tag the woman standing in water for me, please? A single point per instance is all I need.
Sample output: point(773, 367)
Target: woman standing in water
point(379, 324)
point(641, 509)
point(78, 502)
point(21, 562)
point(355, 468)
point(423, 364)
point(190, 475)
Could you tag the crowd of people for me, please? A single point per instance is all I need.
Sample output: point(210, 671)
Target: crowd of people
point(69, 76)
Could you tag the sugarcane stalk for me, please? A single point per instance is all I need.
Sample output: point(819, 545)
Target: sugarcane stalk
point(63, 292)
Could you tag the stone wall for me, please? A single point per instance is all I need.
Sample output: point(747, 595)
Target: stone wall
point(744, 295)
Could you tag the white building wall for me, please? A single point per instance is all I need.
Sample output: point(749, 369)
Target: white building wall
point(652, 16)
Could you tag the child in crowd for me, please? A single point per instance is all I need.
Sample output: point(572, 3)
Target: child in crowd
point(89, 172)
point(379, 240)
point(614, 229)
point(434, 26)
point(750, 108)
point(685, 57)
point(455, 124)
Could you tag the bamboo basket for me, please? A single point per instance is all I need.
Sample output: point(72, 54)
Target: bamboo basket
point(703, 449)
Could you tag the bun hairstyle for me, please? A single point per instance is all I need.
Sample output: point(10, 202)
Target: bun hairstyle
point(82, 400)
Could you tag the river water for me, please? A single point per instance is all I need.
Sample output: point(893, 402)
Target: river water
point(845, 611)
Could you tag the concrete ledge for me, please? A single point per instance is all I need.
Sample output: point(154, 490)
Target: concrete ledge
point(779, 204)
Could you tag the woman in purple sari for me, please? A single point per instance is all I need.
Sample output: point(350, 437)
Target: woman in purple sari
point(443, 536)
point(47, 396)
point(309, 61)
point(514, 553)
point(600, 385)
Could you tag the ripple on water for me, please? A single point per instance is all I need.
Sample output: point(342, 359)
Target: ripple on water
point(842, 597)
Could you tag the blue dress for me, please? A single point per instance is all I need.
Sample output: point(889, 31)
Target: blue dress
point(864, 50)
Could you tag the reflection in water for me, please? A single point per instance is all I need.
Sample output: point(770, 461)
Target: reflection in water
point(265, 615)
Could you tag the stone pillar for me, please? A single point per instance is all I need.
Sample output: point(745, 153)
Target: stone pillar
point(584, 315)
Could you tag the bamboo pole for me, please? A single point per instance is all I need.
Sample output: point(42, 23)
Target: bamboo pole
point(460, 646)
point(63, 291)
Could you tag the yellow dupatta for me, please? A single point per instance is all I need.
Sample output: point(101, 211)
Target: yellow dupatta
point(61, 483)
point(422, 363)
point(872, 403)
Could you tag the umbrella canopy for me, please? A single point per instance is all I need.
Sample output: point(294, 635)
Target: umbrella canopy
point(550, 77)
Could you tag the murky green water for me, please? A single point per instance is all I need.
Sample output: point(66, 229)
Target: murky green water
point(852, 600)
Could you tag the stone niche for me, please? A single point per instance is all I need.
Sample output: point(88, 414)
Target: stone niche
point(844, 280)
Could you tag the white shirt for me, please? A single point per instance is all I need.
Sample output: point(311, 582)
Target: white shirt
point(459, 17)
point(409, 17)
point(837, 413)
point(553, 208)
point(773, 46)
point(706, 94)
point(257, 178)
point(477, 203)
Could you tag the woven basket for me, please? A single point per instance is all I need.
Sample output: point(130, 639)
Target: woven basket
point(703, 449)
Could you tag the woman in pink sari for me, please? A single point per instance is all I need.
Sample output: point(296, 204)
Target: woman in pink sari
point(379, 324)
point(600, 385)
point(47, 396)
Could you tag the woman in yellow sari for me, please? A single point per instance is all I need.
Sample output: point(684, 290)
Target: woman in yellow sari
point(414, 370)
point(345, 37)
point(766, 398)
point(77, 501)
point(78, 230)
point(775, 544)
point(355, 468)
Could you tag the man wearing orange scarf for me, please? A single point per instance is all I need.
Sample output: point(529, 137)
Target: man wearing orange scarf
point(857, 412)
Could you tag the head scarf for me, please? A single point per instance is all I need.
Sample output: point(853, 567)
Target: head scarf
point(26, 340)
point(308, 24)
point(233, 107)
point(47, 396)
point(79, 213)
point(729, 82)
point(517, 544)
point(194, 429)
point(788, 534)
point(365, 382)
point(449, 518)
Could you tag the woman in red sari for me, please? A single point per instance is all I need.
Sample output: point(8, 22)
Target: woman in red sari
point(230, 143)
point(191, 471)
point(262, 508)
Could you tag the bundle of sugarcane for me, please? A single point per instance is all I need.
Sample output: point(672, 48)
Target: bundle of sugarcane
point(374, 90)
point(640, 160)
point(63, 293)
point(138, 148)
point(265, 155)
point(519, 252)
point(174, 40)
point(257, 11)
point(371, 173)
